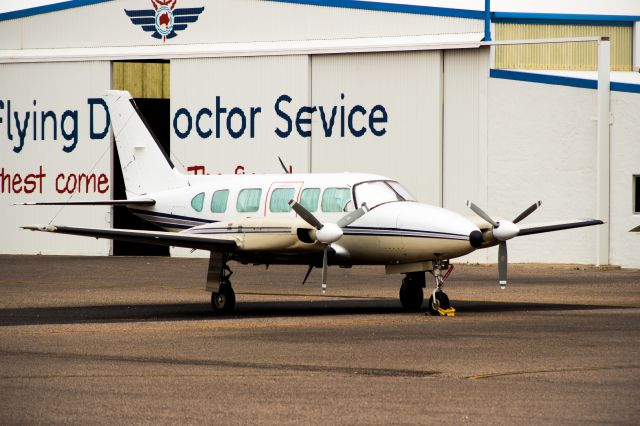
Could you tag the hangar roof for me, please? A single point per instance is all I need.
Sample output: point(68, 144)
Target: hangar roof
point(611, 10)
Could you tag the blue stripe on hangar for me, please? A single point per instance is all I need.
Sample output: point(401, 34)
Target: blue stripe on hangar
point(558, 80)
point(54, 7)
point(392, 7)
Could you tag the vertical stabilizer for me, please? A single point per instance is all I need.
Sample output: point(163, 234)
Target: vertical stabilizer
point(145, 166)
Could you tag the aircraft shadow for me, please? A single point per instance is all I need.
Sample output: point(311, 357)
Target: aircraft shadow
point(195, 311)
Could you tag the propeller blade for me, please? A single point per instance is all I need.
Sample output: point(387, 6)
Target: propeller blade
point(325, 267)
point(502, 264)
point(527, 212)
point(477, 210)
point(349, 218)
point(307, 275)
point(306, 215)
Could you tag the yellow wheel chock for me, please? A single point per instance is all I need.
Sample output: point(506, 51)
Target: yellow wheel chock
point(451, 312)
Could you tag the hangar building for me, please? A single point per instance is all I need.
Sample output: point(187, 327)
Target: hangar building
point(412, 89)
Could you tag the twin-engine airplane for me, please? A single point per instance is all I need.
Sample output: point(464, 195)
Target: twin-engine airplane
point(303, 219)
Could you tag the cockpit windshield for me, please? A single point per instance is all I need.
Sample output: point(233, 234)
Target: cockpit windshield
point(379, 192)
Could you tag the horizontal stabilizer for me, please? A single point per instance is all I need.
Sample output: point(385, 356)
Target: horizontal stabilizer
point(538, 229)
point(146, 237)
point(135, 202)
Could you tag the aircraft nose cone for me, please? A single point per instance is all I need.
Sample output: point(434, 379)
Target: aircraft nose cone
point(475, 239)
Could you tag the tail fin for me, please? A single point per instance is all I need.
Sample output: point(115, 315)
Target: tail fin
point(145, 166)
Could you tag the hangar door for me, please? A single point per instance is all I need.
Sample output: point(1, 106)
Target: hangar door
point(392, 121)
point(231, 115)
point(373, 112)
point(54, 146)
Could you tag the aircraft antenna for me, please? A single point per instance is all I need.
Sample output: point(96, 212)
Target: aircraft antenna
point(287, 171)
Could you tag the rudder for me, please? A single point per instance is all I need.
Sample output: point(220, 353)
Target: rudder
point(146, 168)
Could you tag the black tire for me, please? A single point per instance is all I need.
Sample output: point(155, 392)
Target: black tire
point(224, 300)
point(411, 296)
point(443, 301)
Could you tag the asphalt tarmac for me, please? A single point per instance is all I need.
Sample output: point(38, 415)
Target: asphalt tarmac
point(133, 340)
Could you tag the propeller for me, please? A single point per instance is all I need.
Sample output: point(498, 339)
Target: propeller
point(327, 233)
point(502, 231)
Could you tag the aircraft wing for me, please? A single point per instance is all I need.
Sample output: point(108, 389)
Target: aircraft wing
point(550, 227)
point(147, 237)
point(636, 229)
point(134, 202)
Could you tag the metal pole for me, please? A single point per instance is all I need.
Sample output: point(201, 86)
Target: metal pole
point(603, 150)
point(487, 20)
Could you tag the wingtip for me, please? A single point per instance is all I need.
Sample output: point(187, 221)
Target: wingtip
point(43, 228)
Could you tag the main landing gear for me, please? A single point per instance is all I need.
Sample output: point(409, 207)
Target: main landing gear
point(223, 298)
point(411, 294)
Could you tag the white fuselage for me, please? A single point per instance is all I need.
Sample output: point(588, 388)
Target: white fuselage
point(253, 211)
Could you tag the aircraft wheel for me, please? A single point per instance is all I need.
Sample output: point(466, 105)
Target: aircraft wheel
point(411, 296)
point(443, 301)
point(224, 300)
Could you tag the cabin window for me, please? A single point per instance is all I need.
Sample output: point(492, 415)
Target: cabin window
point(401, 190)
point(197, 202)
point(219, 201)
point(309, 198)
point(249, 200)
point(280, 200)
point(335, 199)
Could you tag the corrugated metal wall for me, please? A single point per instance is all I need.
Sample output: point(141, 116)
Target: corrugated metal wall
point(142, 79)
point(464, 154)
point(465, 128)
point(566, 56)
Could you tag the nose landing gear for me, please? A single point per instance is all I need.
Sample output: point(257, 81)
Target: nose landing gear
point(439, 301)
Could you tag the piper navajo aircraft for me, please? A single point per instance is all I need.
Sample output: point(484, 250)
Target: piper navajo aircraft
point(316, 220)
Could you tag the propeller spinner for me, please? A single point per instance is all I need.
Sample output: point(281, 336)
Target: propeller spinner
point(502, 231)
point(327, 233)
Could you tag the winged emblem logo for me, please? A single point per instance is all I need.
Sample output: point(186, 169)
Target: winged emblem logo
point(164, 21)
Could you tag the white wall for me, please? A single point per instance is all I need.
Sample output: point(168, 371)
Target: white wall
point(542, 146)
point(64, 89)
point(625, 162)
